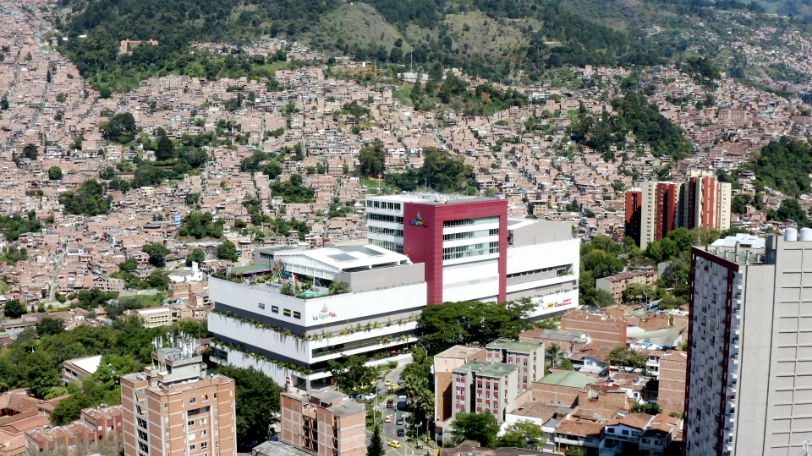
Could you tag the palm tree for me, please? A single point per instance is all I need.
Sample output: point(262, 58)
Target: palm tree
point(555, 355)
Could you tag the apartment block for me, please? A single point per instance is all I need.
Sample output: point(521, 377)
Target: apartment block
point(561, 388)
point(444, 365)
point(617, 284)
point(751, 342)
point(325, 423)
point(672, 378)
point(175, 407)
point(482, 387)
point(655, 208)
point(527, 356)
point(568, 341)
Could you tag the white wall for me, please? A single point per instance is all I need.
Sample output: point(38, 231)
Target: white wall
point(546, 255)
point(349, 306)
point(554, 302)
point(299, 349)
point(471, 281)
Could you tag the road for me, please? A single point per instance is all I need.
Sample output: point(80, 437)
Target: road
point(60, 260)
point(389, 430)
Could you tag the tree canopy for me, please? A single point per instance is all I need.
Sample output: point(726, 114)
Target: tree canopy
point(257, 401)
point(784, 165)
point(199, 225)
point(372, 159)
point(88, 200)
point(461, 323)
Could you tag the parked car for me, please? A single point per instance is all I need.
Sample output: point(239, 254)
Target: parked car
point(390, 404)
point(401, 432)
point(399, 421)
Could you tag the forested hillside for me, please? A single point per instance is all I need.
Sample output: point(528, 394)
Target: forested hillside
point(498, 39)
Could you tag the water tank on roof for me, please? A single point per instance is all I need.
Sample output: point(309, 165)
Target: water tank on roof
point(806, 234)
point(790, 235)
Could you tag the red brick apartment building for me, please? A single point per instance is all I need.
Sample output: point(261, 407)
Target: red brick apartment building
point(326, 423)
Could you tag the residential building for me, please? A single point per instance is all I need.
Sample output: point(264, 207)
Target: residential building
point(528, 356)
point(650, 434)
point(656, 208)
point(97, 426)
point(672, 376)
point(561, 388)
point(600, 327)
point(482, 387)
point(80, 368)
point(325, 423)
point(633, 214)
point(444, 364)
point(747, 366)
point(568, 341)
point(585, 435)
point(472, 250)
point(174, 406)
point(292, 338)
point(618, 283)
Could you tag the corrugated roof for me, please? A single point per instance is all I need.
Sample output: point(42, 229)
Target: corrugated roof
point(569, 379)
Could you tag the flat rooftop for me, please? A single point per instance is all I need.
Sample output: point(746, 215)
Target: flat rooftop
point(490, 370)
point(514, 345)
point(568, 379)
point(433, 198)
point(339, 259)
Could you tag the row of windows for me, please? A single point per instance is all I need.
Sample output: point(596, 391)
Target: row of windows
point(385, 218)
point(471, 234)
point(466, 251)
point(388, 231)
point(285, 312)
point(383, 205)
point(476, 221)
point(388, 245)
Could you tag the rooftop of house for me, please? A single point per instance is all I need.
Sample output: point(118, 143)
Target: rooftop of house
point(569, 379)
point(345, 258)
point(89, 364)
point(555, 334)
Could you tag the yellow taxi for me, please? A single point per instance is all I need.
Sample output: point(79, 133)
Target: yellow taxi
point(388, 419)
point(387, 382)
point(394, 444)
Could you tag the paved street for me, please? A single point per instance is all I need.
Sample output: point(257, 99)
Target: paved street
point(389, 430)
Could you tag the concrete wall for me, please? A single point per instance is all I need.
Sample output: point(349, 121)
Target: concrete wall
point(541, 231)
point(471, 281)
point(384, 277)
point(317, 312)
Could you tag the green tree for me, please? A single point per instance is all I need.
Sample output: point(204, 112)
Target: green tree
point(128, 265)
point(107, 173)
point(352, 374)
point(651, 409)
point(39, 373)
point(376, 447)
point(88, 200)
point(13, 309)
point(165, 149)
point(197, 256)
point(69, 409)
point(30, 151)
point(120, 128)
point(227, 251)
point(626, 357)
point(573, 451)
point(54, 173)
point(479, 427)
point(112, 367)
point(523, 434)
point(460, 323)
point(157, 254)
point(257, 401)
point(554, 356)
point(372, 159)
point(50, 327)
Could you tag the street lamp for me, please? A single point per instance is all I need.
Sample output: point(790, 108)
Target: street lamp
point(418, 434)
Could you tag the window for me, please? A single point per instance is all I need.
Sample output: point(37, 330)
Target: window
point(297, 315)
point(286, 312)
point(204, 433)
point(191, 424)
point(192, 447)
point(611, 430)
point(193, 401)
point(204, 445)
point(205, 397)
point(385, 218)
point(476, 221)
point(624, 432)
point(275, 309)
point(465, 251)
point(203, 420)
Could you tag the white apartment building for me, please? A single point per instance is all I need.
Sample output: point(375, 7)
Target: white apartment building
point(749, 388)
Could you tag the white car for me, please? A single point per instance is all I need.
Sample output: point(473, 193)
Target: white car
point(368, 397)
